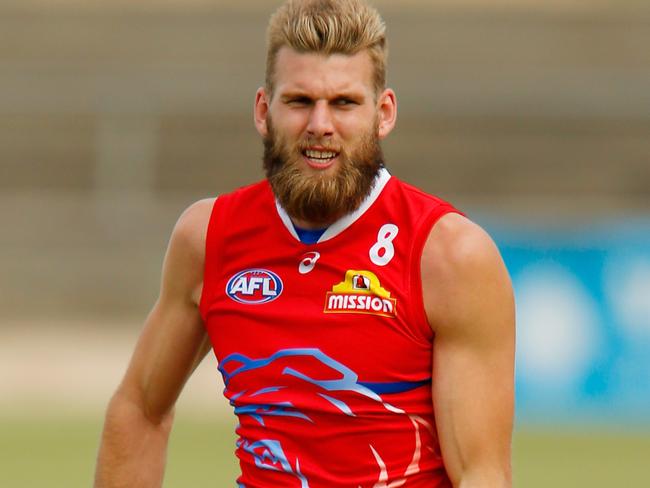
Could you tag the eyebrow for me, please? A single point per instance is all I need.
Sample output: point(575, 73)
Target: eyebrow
point(355, 96)
point(292, 95)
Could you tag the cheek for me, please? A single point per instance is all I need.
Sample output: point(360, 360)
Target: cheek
point(289, 122)
point(356, 124)
point(354, 135)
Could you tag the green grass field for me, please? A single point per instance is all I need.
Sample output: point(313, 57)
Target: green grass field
point(59, 452)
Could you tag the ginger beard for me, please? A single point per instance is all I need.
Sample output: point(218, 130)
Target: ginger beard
point(321, 198)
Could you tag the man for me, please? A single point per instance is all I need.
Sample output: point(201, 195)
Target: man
point(364, 329)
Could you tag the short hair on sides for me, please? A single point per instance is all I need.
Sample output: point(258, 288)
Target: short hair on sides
point(328, 27)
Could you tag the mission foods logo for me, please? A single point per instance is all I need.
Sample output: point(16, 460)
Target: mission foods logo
point(360, 292)
point(254, 286)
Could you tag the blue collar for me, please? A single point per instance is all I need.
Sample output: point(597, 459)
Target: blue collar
point(309, 236)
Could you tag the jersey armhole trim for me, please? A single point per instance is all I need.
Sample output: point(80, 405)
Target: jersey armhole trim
point(417, 292)
point(209, 261)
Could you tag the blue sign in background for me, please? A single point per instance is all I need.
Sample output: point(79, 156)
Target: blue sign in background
point(583, 321)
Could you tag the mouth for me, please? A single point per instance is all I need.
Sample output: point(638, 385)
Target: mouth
point(320, 158)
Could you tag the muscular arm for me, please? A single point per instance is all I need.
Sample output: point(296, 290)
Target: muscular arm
point(172, 343)
point(469, 302)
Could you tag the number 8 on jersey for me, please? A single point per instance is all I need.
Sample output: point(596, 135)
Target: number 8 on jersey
point(383, 251)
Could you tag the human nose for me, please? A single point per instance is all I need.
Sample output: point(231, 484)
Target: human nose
point(320, 120)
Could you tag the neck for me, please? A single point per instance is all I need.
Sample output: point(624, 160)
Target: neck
point(307, 225)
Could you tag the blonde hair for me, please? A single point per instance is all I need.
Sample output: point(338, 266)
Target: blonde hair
point(328, 27)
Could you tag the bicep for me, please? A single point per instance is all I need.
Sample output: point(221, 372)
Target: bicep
point(173, 340)
point(171, 345)
point(473, 401)
point(473, 363)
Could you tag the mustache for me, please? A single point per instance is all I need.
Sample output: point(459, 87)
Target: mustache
point(323, 145)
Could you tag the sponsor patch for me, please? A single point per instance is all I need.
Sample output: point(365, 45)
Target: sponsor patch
point(254, 286)
point(360, 292)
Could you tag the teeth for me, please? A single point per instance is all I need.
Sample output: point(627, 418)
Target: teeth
point(319, 154)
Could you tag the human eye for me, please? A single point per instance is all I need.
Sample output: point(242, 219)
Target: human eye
point(344, 102)
point(298, 101)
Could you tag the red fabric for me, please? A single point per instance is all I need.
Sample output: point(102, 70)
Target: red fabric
point(327, 395)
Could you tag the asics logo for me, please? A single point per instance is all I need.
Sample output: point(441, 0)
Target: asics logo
point(309, 262)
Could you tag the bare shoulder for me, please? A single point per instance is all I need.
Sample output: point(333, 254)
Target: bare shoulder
point(457, 244)
point(463, 275)
point(183, 267)
point(191, 227)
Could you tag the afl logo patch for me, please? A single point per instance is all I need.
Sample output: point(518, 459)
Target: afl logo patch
point(254, 286)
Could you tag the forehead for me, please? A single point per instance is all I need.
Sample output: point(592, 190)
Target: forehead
point(322, 74)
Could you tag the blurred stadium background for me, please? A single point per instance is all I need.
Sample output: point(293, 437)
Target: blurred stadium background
point(532, 116)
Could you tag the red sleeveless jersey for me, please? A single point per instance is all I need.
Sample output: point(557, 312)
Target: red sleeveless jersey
point(324, 348)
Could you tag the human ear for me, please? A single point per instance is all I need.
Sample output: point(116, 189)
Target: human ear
point(387, 111)
point(260, 111)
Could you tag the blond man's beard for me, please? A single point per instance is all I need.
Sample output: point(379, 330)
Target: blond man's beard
point(321, 199)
